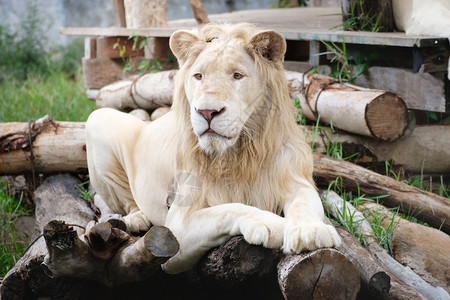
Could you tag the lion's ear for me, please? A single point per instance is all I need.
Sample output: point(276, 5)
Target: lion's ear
point(185, 44)
point(269, 44)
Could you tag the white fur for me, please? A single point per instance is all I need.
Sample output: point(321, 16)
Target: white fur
point(224, 183)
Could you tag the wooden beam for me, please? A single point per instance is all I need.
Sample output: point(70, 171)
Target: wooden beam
point(90, 48)
point(294, 33)
point(106, 47)
point(315, 49)
point(99, 72)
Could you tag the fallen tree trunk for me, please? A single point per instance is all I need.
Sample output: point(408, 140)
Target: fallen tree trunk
point(426, 206)
point(342, 210)
point(423, 249)
point(426, 149)
point(42, 146)
point(320, 274)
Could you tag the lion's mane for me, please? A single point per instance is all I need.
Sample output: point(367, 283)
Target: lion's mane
point(271, 154)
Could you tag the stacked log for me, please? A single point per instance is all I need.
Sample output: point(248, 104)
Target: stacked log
point(373, 113)
point(76, 247)
point(427, 206)
point(421, 248)
point(423, 149)
point(406, 281)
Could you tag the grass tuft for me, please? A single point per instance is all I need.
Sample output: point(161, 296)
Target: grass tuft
point(10, 210)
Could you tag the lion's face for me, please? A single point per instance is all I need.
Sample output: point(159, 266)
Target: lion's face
point(222, 82)
point(222, 88)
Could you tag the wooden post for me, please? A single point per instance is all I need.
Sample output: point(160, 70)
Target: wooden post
point(119, 13)
point(200, 14)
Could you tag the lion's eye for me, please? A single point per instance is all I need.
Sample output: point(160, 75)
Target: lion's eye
point(238, 76)
point(198, 76)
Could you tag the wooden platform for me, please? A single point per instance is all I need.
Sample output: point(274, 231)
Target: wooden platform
point(415, 65)
point(294, 23)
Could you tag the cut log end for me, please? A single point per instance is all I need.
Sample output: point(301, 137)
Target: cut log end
point(161, 242)
point(379, 284)
point(235, 261)
point(387, 117)
point(323, 273)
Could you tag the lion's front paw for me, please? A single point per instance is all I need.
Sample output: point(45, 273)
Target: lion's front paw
point(299, 237)
point(263, 229)
point(137, 222)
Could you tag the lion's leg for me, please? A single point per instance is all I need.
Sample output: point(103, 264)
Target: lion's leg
point(305, 227)
point(201, 230)
point(110, 136)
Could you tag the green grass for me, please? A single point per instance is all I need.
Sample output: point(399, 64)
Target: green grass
point(52, 93)
point(382, 233)
point(11, 249)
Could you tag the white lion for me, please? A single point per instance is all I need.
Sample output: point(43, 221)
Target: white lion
point(229, 156)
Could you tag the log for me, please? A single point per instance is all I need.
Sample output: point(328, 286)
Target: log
point(422, 91)
point(426, 206)
point(379, 282)
point(140, 114)
point(234, 262)
point(61, 149)
point(110, 256)
point(413, 284)
point(421, 248)
point(65, 260)
point(424, 150)
point(200, 14)
point(159, 112)
point(27, 278)
point(145, 13)
point(374, 277)
point(147, 92)
point(320, 274)
point(70, 261)
point(42, 146)
point(380, 10)
point(373, 113)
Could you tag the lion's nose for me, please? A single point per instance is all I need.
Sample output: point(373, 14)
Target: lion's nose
point(210, 114)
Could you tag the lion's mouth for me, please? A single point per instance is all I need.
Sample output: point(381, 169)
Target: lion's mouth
point(214, 133)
